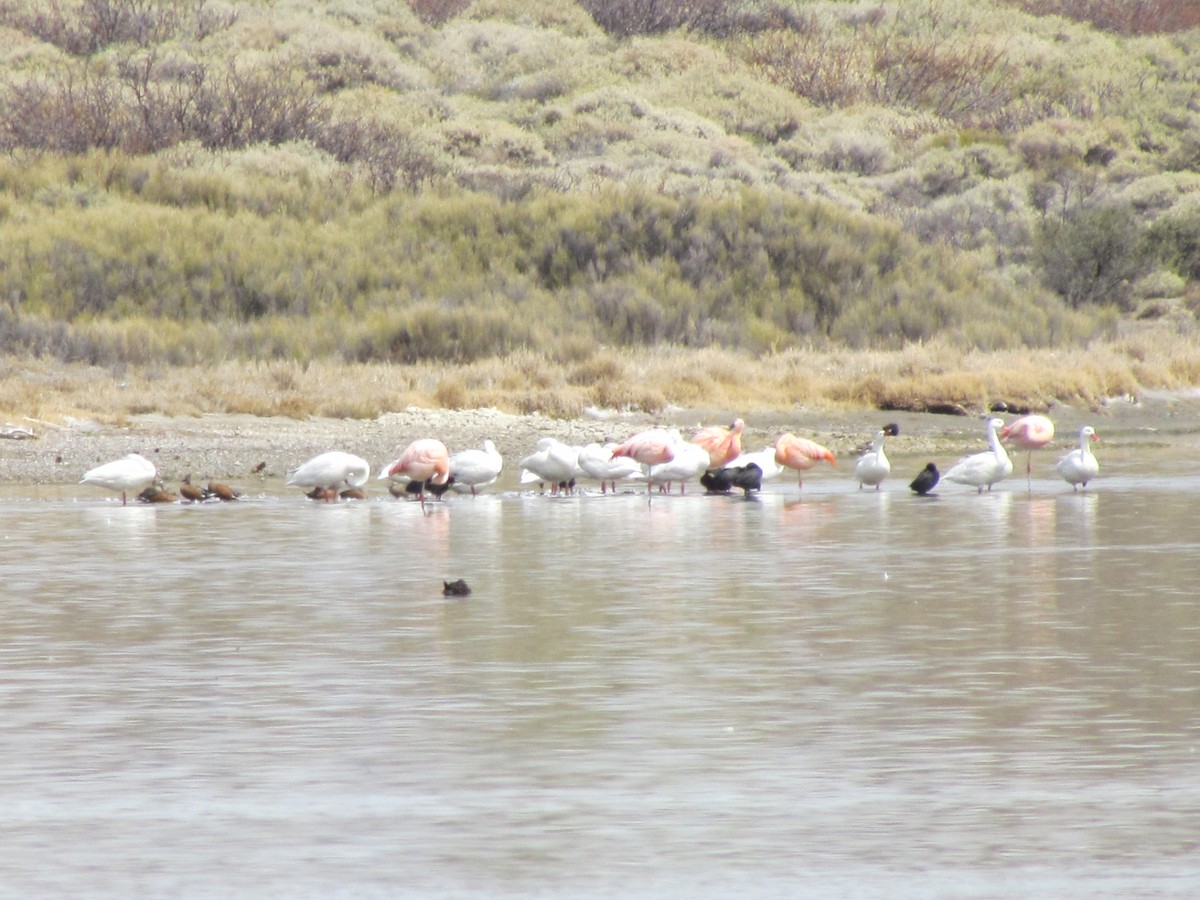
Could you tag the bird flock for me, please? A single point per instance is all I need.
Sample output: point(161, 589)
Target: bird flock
point(658, 457)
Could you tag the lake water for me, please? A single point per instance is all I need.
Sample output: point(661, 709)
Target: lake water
point(822, 692)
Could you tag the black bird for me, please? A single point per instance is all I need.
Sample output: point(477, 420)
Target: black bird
point(722, 481)
point(455, 588)
point(926, 480)
point(417, 488)
point(717, 481)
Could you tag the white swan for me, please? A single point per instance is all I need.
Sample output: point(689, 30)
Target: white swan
point(1080, 465)
point(128, 475)
point(334, 469)
point(476, 468)
point(597, 462)
point(689, 461)
point(874, 466)
point(764, 459)
point(982, 470)
point(552, 461)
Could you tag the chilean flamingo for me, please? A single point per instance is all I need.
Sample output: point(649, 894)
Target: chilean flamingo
point(801, 454)
point(984, 469)
point(926, 479)
point(126, 475)
point(1028, 433)
point(873, 466)
point(425, 460)
point(1080, 465)
point(476, 468)
point(724, 445)
point(329, 471)
point(649, 448)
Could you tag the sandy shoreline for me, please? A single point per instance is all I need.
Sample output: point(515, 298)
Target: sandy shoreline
point(229, 447)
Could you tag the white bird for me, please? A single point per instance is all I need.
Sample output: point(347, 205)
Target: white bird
point(1080, 465)
point(598, 462)
point(334, 470)
point(689, 461)
point(764, 459)
point(873, 466)
point(476, 468)
point(552, 461)
point(128, 475)
point(982, 470)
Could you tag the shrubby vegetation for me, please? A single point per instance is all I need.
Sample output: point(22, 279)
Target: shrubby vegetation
point(192, 181)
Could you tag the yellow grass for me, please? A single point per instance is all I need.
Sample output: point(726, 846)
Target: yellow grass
point(526, 382)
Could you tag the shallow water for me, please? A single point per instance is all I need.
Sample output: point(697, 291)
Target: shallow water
point(822, 692)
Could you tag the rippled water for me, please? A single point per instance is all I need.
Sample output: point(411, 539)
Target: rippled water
point(844, 694)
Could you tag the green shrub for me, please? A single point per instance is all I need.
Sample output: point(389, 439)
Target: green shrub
point(1093, 255)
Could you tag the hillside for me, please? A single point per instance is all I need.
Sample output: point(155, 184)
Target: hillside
point(190, 182)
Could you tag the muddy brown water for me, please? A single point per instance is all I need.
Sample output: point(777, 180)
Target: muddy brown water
point(819, 692)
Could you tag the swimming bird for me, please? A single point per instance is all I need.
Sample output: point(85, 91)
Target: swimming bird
point(129, 474)
point(984, 469)
point(687, 461)
point(455, 588)
point(722, 481)
point(926, 479)
point(476, 468)
point(327, 494)
point(190, 492)
point(801, 454)
point(597, 462)
point(425, 460)
point(333, 471)
point(553, 462)
point(1080, 465)
point(723, 444)
point(1028, 433)
point(352, 494)
point(156, 493)
point(873, 466)
point(222, 491)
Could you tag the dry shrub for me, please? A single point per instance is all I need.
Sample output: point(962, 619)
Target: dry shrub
point(914, 378)
point(600, 369)
point(1122, 16)
point(451, 393)
point(437, 12)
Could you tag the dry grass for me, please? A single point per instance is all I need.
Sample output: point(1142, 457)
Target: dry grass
point(913, 378)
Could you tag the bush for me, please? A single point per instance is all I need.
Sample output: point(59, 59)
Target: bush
point(1177, 238)
point(1122, 16)
point(1093, 255)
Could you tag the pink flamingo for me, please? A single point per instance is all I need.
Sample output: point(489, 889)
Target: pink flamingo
point(650, 448)
point(424, 460)
point(1028, 433)
point(724, 445)
point(801, 454)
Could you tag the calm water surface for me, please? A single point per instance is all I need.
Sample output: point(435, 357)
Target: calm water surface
point(850, 694)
